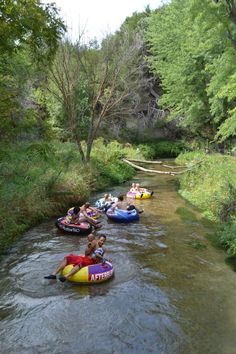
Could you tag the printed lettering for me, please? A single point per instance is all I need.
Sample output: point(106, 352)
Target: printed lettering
point(101, 276)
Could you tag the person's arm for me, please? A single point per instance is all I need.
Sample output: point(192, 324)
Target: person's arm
point(102, 259)
point(99, 257)
point(84, 213)
point(89, 219)
point(113, 206)
point(96, 210)
point(91, 248)
point(74, 219)
point(68, 218)
point(88, 250)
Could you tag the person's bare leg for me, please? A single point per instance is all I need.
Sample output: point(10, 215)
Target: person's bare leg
point(57, 270)
point(75, 221)
point(74, 270)
point(93, 222)
point(60, 267)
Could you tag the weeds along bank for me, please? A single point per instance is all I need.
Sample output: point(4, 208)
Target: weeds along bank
point(40, 180)
point(210, 184)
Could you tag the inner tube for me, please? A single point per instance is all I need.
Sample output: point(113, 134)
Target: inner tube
point(92, 274)
point(139, 195)
point(83, 228)
point(101, 204)
point(120, 215)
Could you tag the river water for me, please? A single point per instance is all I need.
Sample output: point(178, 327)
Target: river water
point(172, 292)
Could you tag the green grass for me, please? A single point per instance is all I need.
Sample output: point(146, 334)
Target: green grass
point(210, 184)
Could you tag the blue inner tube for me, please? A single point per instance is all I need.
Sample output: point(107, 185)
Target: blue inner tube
point(83, 228)
point(120, 215)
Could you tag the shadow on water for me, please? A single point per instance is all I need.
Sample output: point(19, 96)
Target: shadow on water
point(172, 292)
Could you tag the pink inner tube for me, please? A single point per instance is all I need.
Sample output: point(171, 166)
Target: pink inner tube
point(82, 225)
point(81, 228)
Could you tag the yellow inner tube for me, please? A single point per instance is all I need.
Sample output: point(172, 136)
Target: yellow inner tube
point(144, 195)
point(96, 273)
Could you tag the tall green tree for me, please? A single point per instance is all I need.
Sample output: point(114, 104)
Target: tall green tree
point(192, 47)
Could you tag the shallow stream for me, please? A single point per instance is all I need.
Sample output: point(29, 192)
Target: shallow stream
point(172, 292)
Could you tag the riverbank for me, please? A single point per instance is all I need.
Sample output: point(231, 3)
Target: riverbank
point(41, 180)
point(210, 184)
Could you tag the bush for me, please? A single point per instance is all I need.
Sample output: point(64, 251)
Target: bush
point(162, 149)
point(147, 151)
point(106, 162)
point(227, 237)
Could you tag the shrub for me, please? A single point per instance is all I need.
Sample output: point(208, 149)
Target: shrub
point(227, 237)
point(162, 149)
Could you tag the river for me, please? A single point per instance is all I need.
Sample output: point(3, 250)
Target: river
point(172, 292)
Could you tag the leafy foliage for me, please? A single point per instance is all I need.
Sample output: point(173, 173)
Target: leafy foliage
point(31, 23)
point(106, 160)
point(162, 148)
point(227, 237)
point(29, 33)
point(192, 49)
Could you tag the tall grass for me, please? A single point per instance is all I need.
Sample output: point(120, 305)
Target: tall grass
point(210, 184)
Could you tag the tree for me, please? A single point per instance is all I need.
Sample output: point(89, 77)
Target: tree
point(96, 85)
point(192, 49)
point(29, 33)
point(29, 22)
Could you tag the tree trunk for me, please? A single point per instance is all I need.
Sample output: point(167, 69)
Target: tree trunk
point(72, 122)
point(153, 171)
point(88, 151)
point(80, 150)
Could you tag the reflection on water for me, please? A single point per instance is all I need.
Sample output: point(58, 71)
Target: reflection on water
point(171, 293)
